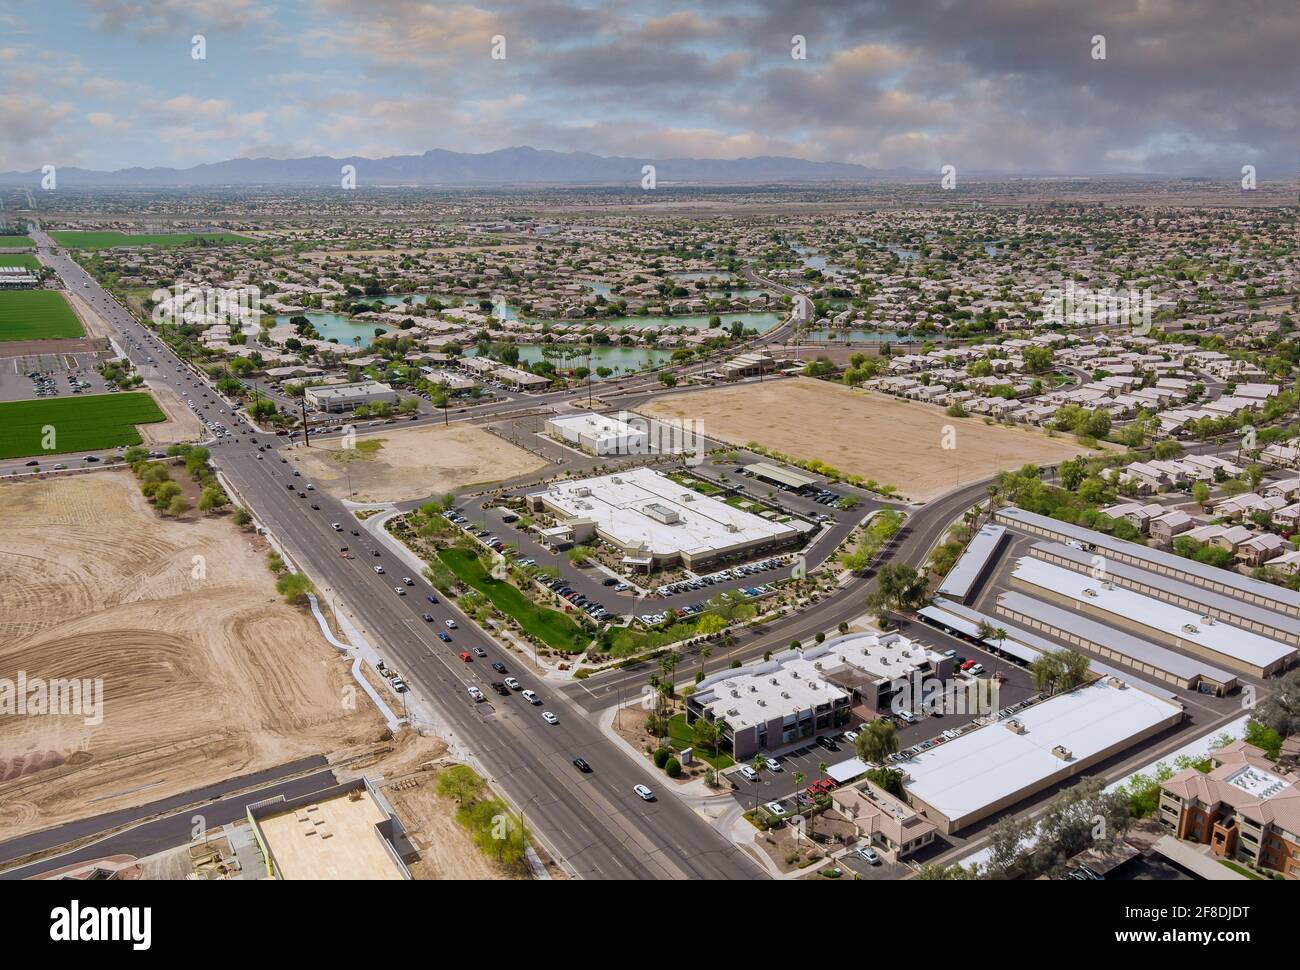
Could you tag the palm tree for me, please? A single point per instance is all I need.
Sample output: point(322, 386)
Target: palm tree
point(757, 765)
point(705, 654)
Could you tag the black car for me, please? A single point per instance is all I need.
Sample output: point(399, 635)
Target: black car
point(582, 765)
point(355, 532)
point(432, 599)
point(828, 744)
point(315, 506)
point(500, 688)
point(611, 581)
point(499, 667)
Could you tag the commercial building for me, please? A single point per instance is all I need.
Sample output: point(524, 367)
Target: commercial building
point(1164, 623)
point(1223, 581)
point(768, 707)
point(993, 767)
point(889, 824)
point(18, 278)
point(348, 397)
point(1246, 808)
point(600, 434)
point(656, 522)
point(345, 832)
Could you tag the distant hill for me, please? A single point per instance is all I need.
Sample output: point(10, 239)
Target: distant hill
point(509, 166)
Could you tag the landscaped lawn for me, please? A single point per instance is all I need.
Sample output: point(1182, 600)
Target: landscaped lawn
point(16, 242)
point(25, 260)
point(1240, 870)
point(681, 736)
point(108, 240)
point(553, 628)
point(85, 423)
point(37, 315)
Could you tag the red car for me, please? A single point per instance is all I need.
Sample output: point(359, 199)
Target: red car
point(466, 657)
point(968, 664)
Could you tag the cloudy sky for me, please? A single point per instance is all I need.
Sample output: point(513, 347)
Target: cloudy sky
point(1186, 86)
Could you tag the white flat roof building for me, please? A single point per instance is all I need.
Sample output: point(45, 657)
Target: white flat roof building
point(600, 433)
point(1183, 629)
point(649, 516)
point(345, 397)
point(971, 777)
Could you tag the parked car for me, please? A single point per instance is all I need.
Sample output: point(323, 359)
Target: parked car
point(749, 773)
point(870, 855)
point(775, 808)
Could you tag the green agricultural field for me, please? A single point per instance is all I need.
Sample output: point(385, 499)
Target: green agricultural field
point(86, 423)
point(37, 315)
point(552, 627)
point(25, 260)
point(109, 240)
point(17, 242)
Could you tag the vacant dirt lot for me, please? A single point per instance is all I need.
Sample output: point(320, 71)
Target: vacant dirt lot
point(895, 442)
point(413, 463)
point(206, 673)
point(181, 425)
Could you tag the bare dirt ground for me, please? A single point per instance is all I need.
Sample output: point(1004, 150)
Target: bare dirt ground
point(414, 463)
point(206, 673)
point(899, 443)
point(181, 425)
point(91, 321)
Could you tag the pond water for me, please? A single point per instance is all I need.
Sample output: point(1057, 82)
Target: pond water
point(622, 360)
point(341, 328)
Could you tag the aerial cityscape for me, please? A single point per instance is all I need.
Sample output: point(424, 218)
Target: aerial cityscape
point(554, 442)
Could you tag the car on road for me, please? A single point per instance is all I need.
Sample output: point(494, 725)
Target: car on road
point(477, 694)
point(644, 793)
point(550, 718)
point(512, 683)
point(428, 618)
point(407, 581)
point(451, 624)
point(380, 570)
point(315, 506)
point(582, 765)
point(498, 666)
point(336, 527)
point(869, 855)
point(466, 657)
point(480, 652)
point(399, 591)
point(399, 685)
point(432, 599)
point(500, 688)
point(444, 637)
point(531, 697)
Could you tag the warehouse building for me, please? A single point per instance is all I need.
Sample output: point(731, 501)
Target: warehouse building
point(1223, 581)
point(1164, 623)
point(974, 563)
point(1257, 619)
point(994, 767)
point(600, 434)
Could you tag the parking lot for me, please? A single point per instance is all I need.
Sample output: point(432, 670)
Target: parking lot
point(31, 377)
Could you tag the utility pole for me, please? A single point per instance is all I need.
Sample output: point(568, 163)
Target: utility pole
point(306, 433)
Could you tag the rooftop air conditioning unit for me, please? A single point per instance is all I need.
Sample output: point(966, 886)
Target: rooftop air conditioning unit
point(1208, 620)
point(1062, 752)
point(1015, 726)
point(785, 694)
point(1116, 683)
point(1190, 628)
point(1090, 592)
point(762, 703)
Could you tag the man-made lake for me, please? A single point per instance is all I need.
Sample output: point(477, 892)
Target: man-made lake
point(878, 336)
point(622, 360)
point(340, 328)
point(762, 322)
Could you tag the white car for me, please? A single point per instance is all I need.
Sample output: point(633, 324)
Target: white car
point(336, 526)
point(511, 683)
point(976, 670)
point(869, 855)
point(749, 772)
point(850, 736)
point(380, 570)
point(775, 808)
point(907, 716)
point(772, 764)
point(645, 794)
point(531, 697)
point(399, 591)
point(550, 718)
point(477, 694)
point(311, 487)
point(451, 624)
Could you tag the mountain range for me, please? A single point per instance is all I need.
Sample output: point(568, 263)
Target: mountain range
point(508, 166)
